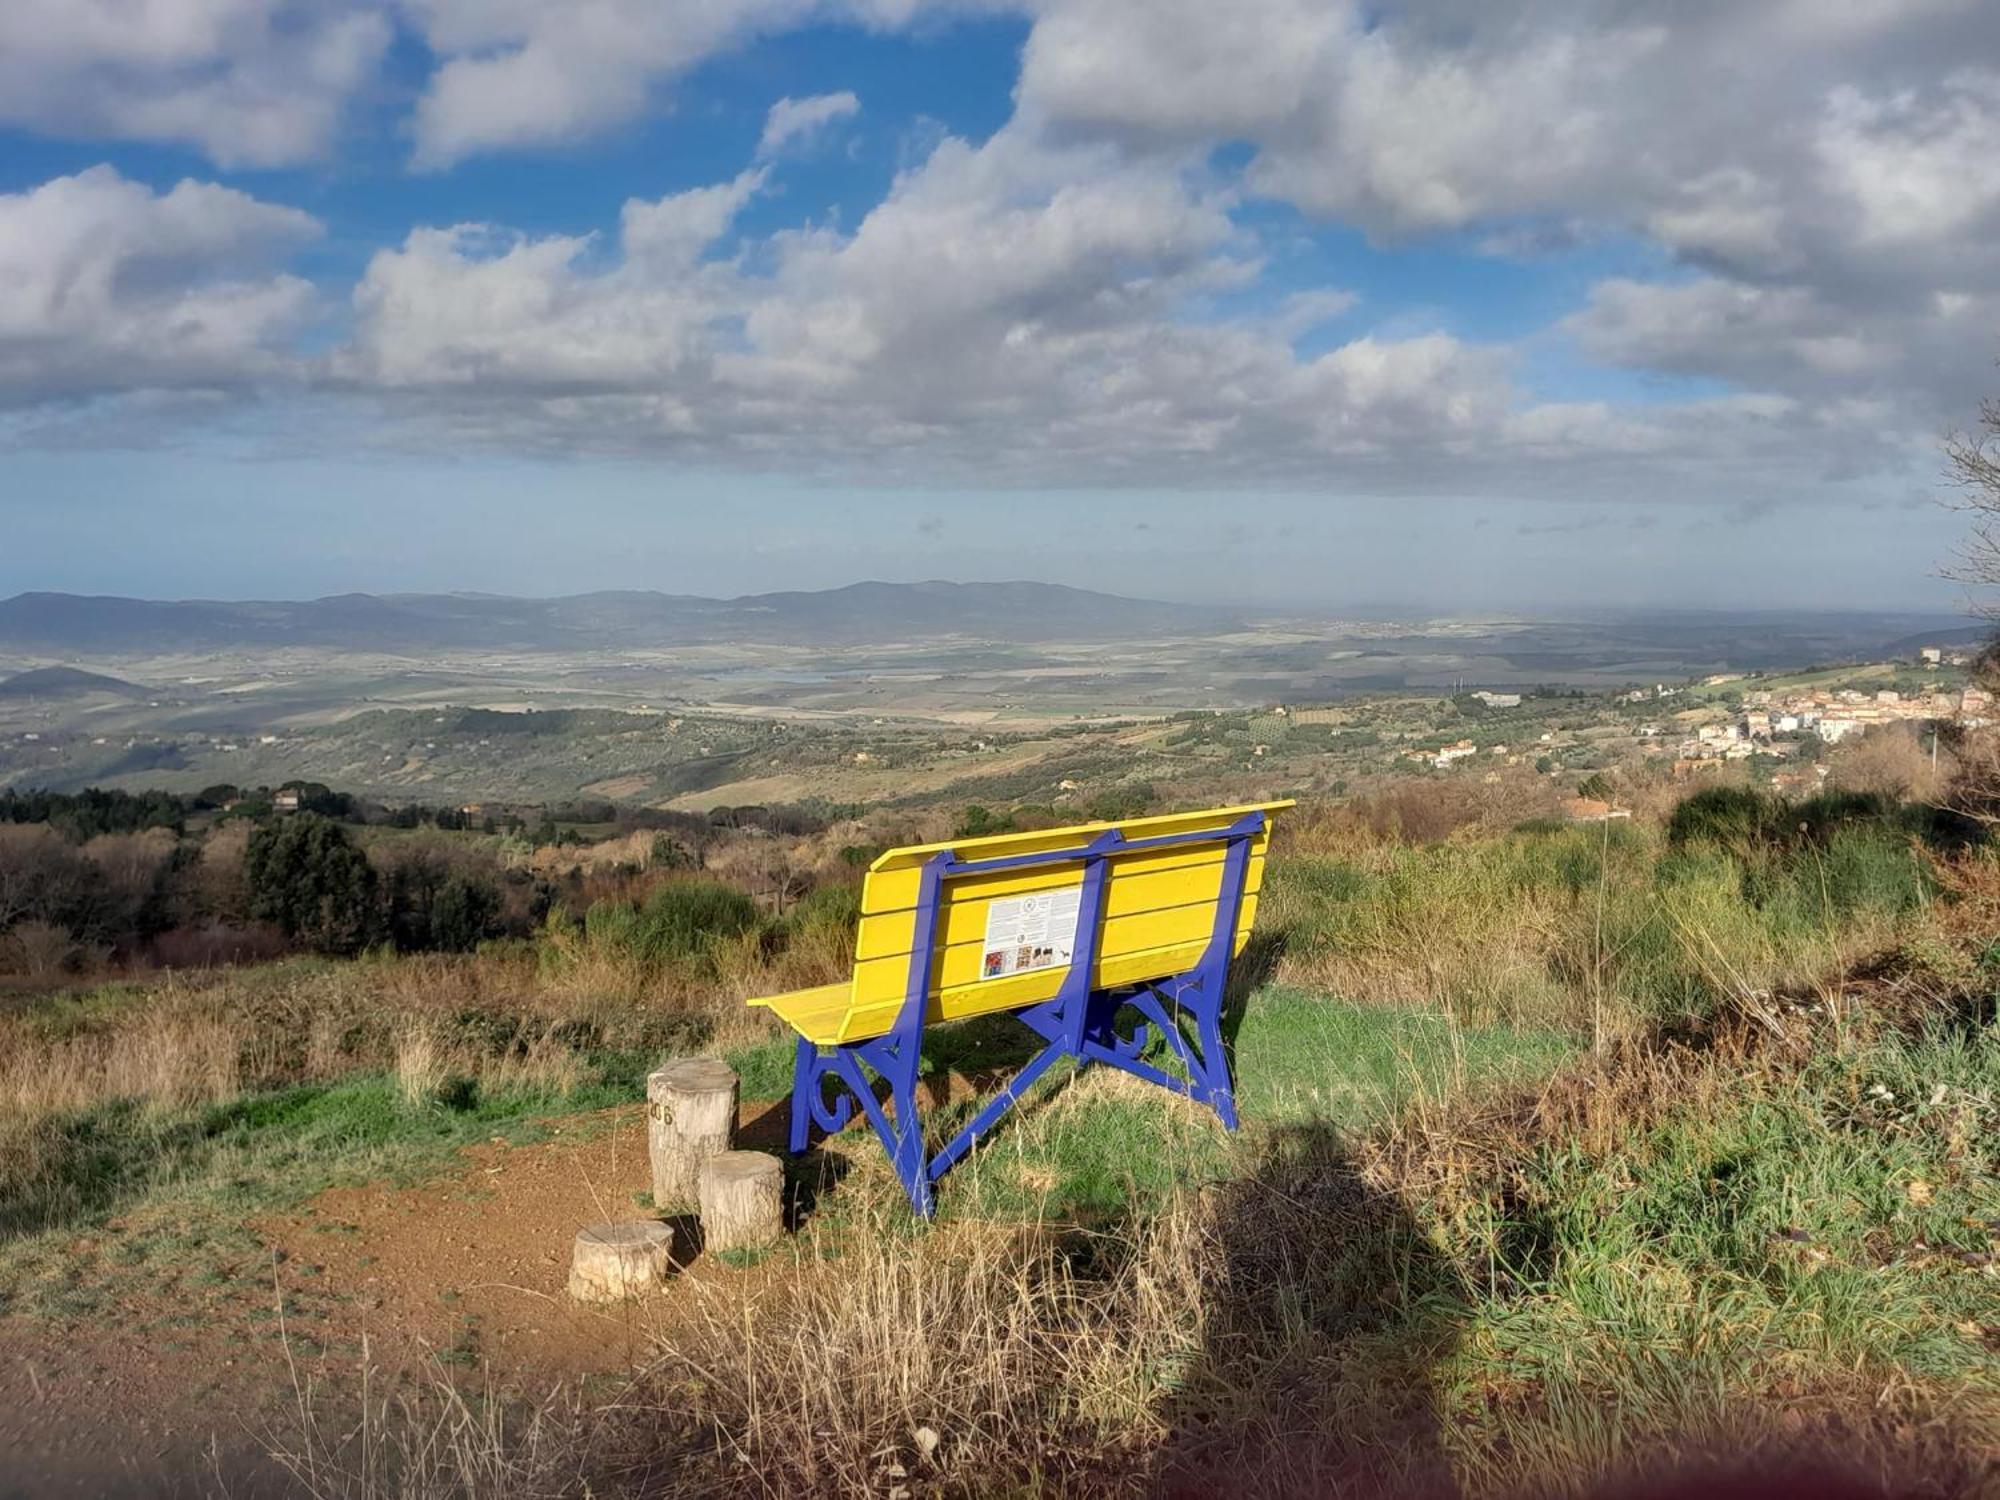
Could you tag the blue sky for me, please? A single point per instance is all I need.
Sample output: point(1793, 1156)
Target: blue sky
point(1323, 304)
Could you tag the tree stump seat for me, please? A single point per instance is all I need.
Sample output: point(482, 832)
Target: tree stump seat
point(611, 1262)
point(742, 1201)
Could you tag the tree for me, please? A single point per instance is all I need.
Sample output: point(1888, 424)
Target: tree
point(318, 797)
point(978, 822)
point(463, 913)
point(44, 879)
point(1972, 467)
point(305, 875)
point(41, 948)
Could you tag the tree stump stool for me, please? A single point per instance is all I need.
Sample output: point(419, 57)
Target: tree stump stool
point(742, 1200)
point(690, 1115)
point(614, 1261)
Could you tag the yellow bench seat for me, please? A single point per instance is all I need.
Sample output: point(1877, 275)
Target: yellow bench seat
point(814, 1014)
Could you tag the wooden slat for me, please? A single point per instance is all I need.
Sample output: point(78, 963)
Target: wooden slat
point(1017, 990)
point(959, 963)
point(1130, 890)
point(896, 890)
point(1041, 840)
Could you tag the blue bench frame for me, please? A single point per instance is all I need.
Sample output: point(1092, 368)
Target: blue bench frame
point(1078, 1022)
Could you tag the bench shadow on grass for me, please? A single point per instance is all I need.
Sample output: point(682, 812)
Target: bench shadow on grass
point(966, 1062)
point(1325, 1313)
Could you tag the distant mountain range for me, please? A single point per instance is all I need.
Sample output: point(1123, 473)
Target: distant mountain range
point(74, 624)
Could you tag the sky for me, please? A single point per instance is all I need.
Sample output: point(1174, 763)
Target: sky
point(1435, 303)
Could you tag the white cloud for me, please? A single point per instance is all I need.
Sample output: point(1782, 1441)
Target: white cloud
point(251, 83)
point(1304, 311)
point(1076, 299)
point(107, 286)
point(1013, 313)
point(537, 72)
point(1833, 203)
point(1916, 170)
point(792, 120)
point(491, 312)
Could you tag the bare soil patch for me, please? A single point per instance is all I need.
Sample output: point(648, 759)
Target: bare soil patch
point(180, 1381)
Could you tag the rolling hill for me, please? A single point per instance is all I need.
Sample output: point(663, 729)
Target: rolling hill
point(66, 683)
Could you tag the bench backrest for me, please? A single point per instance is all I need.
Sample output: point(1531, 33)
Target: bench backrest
point(1159, 913)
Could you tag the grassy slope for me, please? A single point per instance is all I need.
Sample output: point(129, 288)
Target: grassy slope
point(1419, 1257)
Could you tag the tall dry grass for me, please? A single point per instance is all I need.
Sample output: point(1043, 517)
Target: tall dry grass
point(1535, 1291)
point(1587, 928)
point(520, 1021)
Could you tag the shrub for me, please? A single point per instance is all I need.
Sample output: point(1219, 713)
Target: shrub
point(1728, 815)
point(305, 875)
point(669, 853)
point(1121, 802)
point(683, 917)
point(463, 913)
point(679, 922)
point(978, 822)
point(1819, 815)
point(837, 907)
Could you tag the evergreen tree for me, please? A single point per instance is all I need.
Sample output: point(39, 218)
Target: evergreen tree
point(305, 875)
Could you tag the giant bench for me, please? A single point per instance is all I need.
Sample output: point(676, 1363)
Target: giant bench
point(1099, 938)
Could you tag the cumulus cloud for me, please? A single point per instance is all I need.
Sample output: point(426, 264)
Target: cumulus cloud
point(251, 83)
point(795, 120)
point(107, 286)
point(1013, 313)
point(1078, 298)
point(1843, 208)
point(532, 73)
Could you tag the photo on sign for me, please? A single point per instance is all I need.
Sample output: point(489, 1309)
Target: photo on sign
point(1026, 933)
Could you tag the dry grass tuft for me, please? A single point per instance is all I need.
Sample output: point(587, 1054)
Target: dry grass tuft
point(421, 1067)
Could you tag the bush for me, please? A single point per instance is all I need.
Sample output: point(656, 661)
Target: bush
point(1818, 816)
point(305, 875)
point(1120, 803)
point(978, 822)
point(463, 913)
point(679, 922)
point(1733, 816)
point(829, 907)
point(682, 918)
point(669, 853)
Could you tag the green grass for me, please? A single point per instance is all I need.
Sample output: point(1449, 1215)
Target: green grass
point(1302, 1056)
point(1828, 1235)
point(1558, 928)
point(181, 1184)
point(1097, 1145)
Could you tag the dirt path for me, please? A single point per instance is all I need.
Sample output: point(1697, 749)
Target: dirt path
point(471, 1267)
point(463, 1272)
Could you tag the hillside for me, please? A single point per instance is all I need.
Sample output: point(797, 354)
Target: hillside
point(66, 682)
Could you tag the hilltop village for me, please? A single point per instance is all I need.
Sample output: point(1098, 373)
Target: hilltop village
point(1781, 723)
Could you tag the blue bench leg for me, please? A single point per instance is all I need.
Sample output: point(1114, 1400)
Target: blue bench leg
point(805, 1082)
point(898, 1127)
point(908, 1156)
point(1215, 1061)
